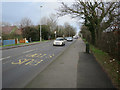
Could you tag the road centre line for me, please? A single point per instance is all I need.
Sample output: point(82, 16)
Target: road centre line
point(29, 51)
point(5, 58)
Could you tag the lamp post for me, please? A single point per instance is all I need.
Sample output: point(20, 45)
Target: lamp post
point(40, 25)
point(69, 32)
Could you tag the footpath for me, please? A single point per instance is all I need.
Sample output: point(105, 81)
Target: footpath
point(72, 69)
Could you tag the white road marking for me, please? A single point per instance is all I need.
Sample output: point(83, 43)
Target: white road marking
point(29, 51)
point(5, 58)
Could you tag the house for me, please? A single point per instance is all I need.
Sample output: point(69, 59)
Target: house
point(11, 29)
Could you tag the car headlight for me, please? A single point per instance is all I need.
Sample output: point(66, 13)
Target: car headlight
point(54, 42)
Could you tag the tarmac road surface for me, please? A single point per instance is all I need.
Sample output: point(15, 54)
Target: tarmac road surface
point(20, 65)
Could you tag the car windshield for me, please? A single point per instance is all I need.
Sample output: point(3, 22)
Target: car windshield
point(59, 39)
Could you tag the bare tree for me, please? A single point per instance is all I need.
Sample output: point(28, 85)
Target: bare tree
point(69, 30)
point(97, 16)
point(52, 21)
point(43, 21)
point(25, 22)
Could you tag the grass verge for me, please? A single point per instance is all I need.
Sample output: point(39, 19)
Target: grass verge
point(22, 43)
point(110, 65)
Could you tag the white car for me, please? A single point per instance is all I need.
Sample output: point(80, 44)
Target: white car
point(69, 39)
point(59, 41)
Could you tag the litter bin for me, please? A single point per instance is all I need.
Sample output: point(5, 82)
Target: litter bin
point(87, 48)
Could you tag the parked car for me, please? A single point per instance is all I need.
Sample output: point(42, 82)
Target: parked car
point(59, 41)
point(69, 39)
point(65, 38)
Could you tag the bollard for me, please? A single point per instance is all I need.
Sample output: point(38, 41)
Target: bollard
point(87, 48)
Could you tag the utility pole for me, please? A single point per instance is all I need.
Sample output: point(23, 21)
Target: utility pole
point(40, 25)
point(69, 32)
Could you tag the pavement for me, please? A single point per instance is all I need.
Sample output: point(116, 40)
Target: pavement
point(72, 69)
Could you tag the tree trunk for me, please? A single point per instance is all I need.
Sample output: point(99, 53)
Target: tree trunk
point(93, 37)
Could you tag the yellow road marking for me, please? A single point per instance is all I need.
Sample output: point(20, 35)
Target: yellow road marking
point(43, 55)
point(50, 56)
point(29, 62)
point(38, 62)
point(20, 61)
point(38, 55)
point(34, 55)
point(32, 61)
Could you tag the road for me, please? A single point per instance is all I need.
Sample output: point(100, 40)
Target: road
point(21, 65)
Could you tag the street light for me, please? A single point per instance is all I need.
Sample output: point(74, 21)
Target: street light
point(40, 25)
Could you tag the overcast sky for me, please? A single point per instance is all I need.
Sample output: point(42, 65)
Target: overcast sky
point(13, 12)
